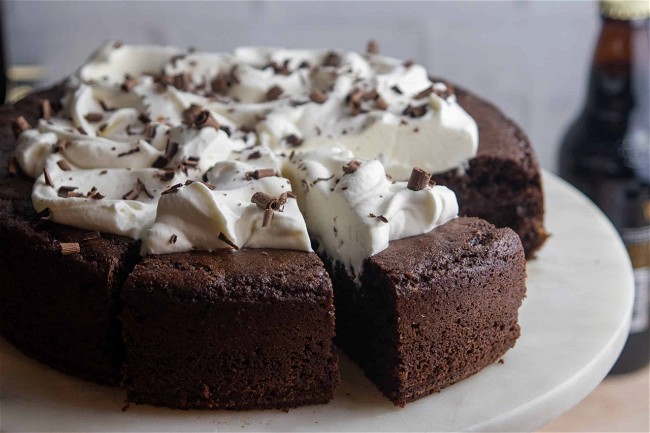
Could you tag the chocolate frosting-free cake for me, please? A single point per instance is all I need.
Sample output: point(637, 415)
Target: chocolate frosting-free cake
point(174, 205)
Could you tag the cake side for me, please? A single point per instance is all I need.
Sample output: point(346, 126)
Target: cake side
point(62, 309)
point(249, 329)
point(502, 183)
point(433, 309)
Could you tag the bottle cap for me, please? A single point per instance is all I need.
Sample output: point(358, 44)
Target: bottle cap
point(625, 9)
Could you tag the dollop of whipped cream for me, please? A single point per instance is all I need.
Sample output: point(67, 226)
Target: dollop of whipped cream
point(354, 209)
point(170, 146)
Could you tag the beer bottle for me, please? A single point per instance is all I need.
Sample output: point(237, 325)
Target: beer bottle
point(606, 151)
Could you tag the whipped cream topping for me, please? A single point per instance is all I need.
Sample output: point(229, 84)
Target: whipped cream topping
point(354, 209)
point(136, 121)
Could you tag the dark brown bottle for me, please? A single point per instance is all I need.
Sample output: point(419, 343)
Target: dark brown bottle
point(606, 151)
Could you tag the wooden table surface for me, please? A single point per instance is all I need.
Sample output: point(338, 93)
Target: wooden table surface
point(618, 404)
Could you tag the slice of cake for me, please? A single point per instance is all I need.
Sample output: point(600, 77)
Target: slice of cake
point(250, 329)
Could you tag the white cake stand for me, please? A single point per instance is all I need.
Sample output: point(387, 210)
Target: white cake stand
point(574, 323)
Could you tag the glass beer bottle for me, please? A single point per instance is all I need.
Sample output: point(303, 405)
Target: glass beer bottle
point(606, 151)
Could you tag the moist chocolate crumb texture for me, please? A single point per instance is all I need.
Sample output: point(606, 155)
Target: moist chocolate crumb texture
point(158, 211)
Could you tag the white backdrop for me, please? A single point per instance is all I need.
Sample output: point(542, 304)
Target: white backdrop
point(530, 58)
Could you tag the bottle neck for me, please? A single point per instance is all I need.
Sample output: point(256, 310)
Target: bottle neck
point(619, 73)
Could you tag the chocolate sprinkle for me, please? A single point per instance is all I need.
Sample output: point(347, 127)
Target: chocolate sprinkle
point(173, 239)
point(396, 89)
point(61, 144)
point(424, 93)
point(224, 238)
point(418, 180)
point(172, 189)
point(260, 173)
point(255, 155)
point(68, 248)
point(415, 111)
point(381, 104)
point(171, 149)
point(66, 191)
point(160, 162)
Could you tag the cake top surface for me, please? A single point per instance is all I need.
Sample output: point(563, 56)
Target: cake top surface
point(188, 150)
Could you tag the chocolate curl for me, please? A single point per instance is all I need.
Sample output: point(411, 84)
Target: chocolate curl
point(224, 238)
point(373, 47)
point(131, 195)
point(268, 217)
point(265, 201)
point(68, 248)
point(317, 96)
point(274, 93)
point(204, 119)
point(419, 179)
point(260, 173)
point(19, 125)
point(351, 167)
point(283, 199)
point(190, 113)
point(46, 109)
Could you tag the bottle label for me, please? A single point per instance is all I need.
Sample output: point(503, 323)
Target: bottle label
point(637, 241)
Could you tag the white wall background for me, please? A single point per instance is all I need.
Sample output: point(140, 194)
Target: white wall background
point(529, 58)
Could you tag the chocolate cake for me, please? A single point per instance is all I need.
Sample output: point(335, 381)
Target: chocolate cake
point(502, 183)
point(432, 309)
point(253, 328)
point(231, 330)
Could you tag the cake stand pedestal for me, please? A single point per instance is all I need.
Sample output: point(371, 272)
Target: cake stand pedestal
point(574, 323)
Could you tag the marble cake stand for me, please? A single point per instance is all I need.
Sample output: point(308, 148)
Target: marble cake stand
point(574, 323)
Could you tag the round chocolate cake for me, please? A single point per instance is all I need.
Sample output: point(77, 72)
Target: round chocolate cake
point(198, 227)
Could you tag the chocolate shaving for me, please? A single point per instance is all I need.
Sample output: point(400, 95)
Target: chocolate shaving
point(282, 69)
point(293, 140)
point(131, 195)
point(144, 189)
point(160, 162)
point(418, 180)
point(129, 83)
point(351, 167)
point(129, 152)
point(105, 106)
point(408, 63)
point(145, 118)
point(182, 81)
point(63, 165)
point(61, 144)
point(221, 84)
point(68, 248)
point(19, 125)
point(415, 111)
point(171, 149)
point(94, 117)
point(260, 173)
point(46, 109)
point(67, 191)
point(378, 217)
point(94, 194)
point(190, 113)
point(322, 179)
point(45, 214)
point(381, 104)
point(332, 59)
point(373, 47)
point(444, 94)
point(224, 238)
point(206, 184)
point(48, 179)
point(172, 189)
point(204, 119)
point(265, 201)
point(424, 93)
point(173, 239)
point(396, 89)
point(255, 155)
point(317, 96)
point(166, 174)
point(274, 93)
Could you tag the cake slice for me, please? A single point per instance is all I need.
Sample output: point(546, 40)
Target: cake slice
point(432, 309)
point(250, 329)
point(60, 292)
